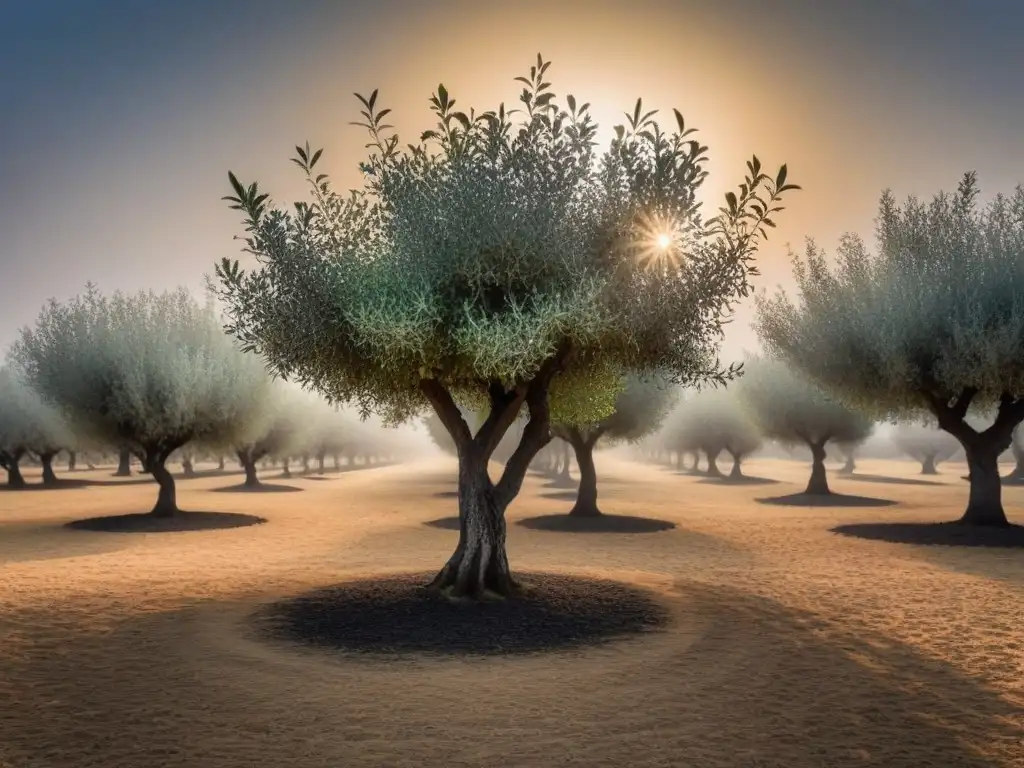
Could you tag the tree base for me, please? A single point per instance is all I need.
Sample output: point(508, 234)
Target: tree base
point(478, 572)
point(585, 511)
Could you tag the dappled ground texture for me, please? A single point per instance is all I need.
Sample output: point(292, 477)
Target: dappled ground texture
point(397, 615)
point(787, 645)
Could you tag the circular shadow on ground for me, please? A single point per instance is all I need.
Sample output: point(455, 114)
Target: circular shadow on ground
point(598, 524)
point(308, 477)
point(446, 495)
point(183, 521)
point(830, 500)
point(1010, 480)
point(395, 615)
point(944, 534)
point(447, 523)
point(562, 484)
point(892, 480)
point(261, 488)
point(744, 480)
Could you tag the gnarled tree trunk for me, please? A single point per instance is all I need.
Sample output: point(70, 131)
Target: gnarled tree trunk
point(124, 463)
point(187, 467)
point(248, 461)
point(928, 465)
point(818, 484)
point(849, 467)
point(563, 476)
point(479, 564)
point(985, 503)
point(737, 471)
point(14, 476)
point(586, 496)
point(46, 459)
point(167, 499)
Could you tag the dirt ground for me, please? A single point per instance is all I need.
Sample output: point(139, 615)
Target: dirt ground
point(789, 645)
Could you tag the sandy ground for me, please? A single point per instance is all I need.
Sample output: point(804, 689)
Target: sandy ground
point(788, 646)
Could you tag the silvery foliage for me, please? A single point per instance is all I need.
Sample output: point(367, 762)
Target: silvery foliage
point(27, 422)
point(713, 420)
point(641, 405)
point(790, 408)
point(155, 371)
point(938, 307)
point(489, 248)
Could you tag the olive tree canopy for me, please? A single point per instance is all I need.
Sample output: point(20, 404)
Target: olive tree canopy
point(496, 261)
point(792, 409)
point(149, 371)
point(931, 322)
point(28, 424)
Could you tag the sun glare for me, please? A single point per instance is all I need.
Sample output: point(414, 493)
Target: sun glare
point(664, 241)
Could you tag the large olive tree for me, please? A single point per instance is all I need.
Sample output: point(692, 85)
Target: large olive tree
point(152, 372)
point(492, 264)
point(931, 322)
point(640, 408)
point(791, 409)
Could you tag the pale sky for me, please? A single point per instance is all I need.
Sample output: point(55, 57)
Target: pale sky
point(120, 120)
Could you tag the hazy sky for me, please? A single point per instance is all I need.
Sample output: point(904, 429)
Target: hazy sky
point(119, 120)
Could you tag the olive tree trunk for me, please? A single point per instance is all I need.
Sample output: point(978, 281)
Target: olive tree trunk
point(586, 496)
point(247, 459)
point(167, 498)
point(713, 470)
point(320, 457)
point(928, 465)
point(124, 463)
point(14, 476)
point(188, 468)
point(46, 459)
point(850, 465)
point(985, 503)
point(818, 484)
point(286, 470)
point(1017, 475)
point(72, 461)
point(737, 471)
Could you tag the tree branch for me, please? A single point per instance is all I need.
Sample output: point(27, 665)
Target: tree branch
point(505, 405)
point(448, 412)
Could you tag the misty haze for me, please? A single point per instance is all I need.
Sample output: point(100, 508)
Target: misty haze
point(546, 384)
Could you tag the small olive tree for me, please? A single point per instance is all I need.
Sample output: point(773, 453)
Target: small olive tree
point(927, 444)
point(713, 421)
point(489, 265)
point(791, 409)
point(932, 323)
point(639, 410)
point(28, 425)
point(149, 371)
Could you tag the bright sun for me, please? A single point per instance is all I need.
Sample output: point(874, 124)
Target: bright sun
point(664, 241)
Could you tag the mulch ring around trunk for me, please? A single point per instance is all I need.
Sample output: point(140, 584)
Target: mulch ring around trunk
point(395, 615)
point(181, 521)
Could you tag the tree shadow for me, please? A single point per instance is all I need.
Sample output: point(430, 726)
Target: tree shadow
point(447, 523)
point(937, 534)
point(743, 480)
point(143, 522)
point(561, 495)
point(825, 500)
point(890, 480)
point(562, 484)
point(25, 543)
point(395, 615)
point(199, 474)
point(1011, 480)
point(261, 488)
point(446, 495)
point(597, 524)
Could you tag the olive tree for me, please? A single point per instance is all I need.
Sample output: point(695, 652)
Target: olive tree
point(495, 262)
point(713, 421)
point(640, 407)
point(791, 409)
point(931, 322)
point(28, 425)
point(927, 444)
point(149, 371)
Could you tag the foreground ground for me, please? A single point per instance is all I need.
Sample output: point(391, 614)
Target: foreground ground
point(789, 645)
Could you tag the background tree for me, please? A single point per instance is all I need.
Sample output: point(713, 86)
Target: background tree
point(1016, 477)
point(847, 449)
point(149, 371)
point(28, 425)
point(490, 264)
point(926, 444)
point(713, 421)
point(931, 323)
point(639, 410)
point(789, 408)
